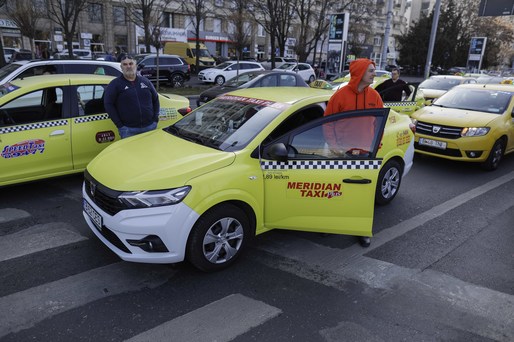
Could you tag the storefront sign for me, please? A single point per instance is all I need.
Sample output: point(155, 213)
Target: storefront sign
point(8, 23)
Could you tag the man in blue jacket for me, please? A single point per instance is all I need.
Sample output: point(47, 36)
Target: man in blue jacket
point(132, 101)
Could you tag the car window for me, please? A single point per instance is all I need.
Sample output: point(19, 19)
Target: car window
point(287, 81)
point(269, 81)
point(90, 68)
point(90, 99)
point(36, 106)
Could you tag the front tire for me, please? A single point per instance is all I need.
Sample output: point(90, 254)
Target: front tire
point(495, 156)
point(218, 238)
point(311, 79)
point(388, 184)
point(219, 80)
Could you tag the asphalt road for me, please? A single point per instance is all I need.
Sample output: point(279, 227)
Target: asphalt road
point(440, 268)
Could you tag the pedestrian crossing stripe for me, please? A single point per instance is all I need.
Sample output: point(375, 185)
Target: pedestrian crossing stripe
point(321, 165)
point(37, 125)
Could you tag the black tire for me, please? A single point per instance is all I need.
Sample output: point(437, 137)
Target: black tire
point(388, 184)
point(177, 80)
point(218, 238)
point(311, 79)
point(219, 80)
point(495, 156)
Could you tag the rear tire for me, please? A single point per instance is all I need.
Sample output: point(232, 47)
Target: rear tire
point(495, 156)
point(311, 79)
point(388, 184)
point(177, 80)
point(218, 238)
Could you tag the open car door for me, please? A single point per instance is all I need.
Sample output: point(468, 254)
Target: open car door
point(322, 176)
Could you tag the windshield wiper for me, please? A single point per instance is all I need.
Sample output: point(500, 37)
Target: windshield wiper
point(438, 105)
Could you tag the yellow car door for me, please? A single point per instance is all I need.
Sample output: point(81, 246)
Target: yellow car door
point(34, 137)
point(321, 177)
point(92, 128)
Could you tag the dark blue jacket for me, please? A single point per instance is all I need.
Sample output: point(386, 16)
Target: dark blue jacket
point(132, 104)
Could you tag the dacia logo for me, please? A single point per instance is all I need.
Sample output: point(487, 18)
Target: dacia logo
point(436, 129)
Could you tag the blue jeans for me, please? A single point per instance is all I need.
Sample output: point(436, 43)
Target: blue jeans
point(126, 132)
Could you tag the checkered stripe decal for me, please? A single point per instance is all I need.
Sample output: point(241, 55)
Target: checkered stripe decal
point(399, 104)
point(90, 118)
point(21, 128)
point(321, 165)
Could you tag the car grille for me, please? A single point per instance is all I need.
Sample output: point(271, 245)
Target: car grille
point(102, 196)
point(446, 132)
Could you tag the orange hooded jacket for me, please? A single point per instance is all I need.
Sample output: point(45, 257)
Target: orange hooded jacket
point(358, 132)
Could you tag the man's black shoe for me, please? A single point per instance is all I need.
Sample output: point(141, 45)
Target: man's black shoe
point(365, 241)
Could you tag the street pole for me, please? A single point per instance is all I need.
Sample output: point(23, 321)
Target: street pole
point(433, 34)
point(385, 43)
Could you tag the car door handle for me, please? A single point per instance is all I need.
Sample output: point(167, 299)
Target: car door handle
point(357, 181)
point(57, 132)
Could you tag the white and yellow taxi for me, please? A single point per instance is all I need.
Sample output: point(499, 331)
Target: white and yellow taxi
point(54, 125)
point(471, 123)
point(245, 163)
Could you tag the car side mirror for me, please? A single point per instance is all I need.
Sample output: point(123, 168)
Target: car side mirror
point(278, 152)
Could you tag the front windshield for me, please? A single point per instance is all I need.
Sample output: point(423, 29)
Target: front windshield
point(6, 70)
point(227, 123)
point(223, 65)
point(203, 53)
point(439, 83)
point(239, 80)
point(482, 100)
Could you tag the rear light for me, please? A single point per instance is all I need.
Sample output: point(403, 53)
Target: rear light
point(185, 111)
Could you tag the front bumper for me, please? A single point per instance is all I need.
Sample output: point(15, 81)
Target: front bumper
point(469, 149)
point(122, 231)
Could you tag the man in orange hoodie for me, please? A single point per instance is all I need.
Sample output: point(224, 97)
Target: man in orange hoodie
point(355, 95)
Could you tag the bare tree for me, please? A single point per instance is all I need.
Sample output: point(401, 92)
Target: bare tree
point(65, 13)
point(239, 18)
point(265, 14)
point(26, 14)
point(198, 10)
point(149, 15)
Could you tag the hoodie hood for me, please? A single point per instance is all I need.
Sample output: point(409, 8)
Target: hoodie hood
point(357, 69)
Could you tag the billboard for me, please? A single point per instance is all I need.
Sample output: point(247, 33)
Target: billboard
point(337, 37)
point(495, 8)
point(476, 52)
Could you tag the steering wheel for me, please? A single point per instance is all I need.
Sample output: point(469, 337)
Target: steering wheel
point(6, 119)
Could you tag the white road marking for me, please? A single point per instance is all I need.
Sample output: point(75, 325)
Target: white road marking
point(12, 214)
point(219, 321)
point(24, 309)
point(37, 238)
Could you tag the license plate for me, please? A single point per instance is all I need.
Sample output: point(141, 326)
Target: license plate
point(93, 215)
point(433, 143)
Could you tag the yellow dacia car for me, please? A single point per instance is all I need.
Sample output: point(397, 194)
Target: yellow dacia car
point(472, 123)
point(240, 165)
point(54, 125)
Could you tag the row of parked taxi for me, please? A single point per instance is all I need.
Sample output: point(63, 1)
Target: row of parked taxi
point(241, 164)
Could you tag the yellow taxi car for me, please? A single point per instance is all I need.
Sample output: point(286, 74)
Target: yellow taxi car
point(472, 123)
point(240, 165)
point(54, 125)
point(435, 86)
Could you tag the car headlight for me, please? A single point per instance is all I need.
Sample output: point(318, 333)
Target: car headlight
point(474, 131)
point(154, 198)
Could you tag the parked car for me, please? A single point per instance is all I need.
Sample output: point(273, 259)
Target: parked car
point(469, 123)
point(435, 86)
point(226, 70)
point(25, 55)
point(278, 62)
point(53, 125)
point(77, 54)
point(245, 163)
point(305, 70)
point(23, 69)
point(253, 79)
point(8, 52)
point(172, 69)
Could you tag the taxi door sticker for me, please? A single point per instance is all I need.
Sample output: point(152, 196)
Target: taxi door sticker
point(23, 148)
point(314, 190)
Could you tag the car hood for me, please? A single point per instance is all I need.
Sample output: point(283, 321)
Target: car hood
point(153, 161)
point(453, 117)
point(432, 93)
